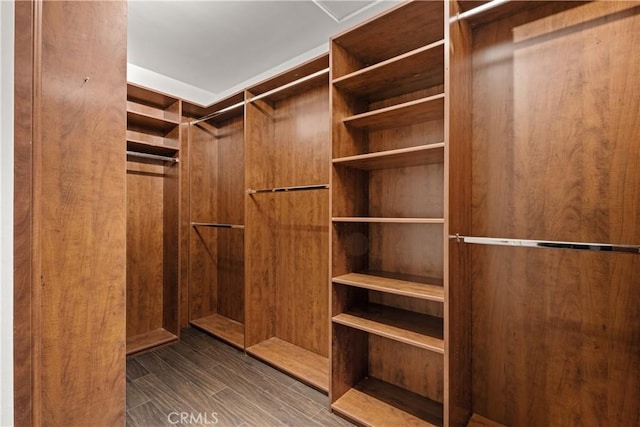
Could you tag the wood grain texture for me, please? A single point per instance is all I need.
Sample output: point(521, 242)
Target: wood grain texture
point(563, 345)
point(410, 328)
point(349, 359)
point(571, 179)
point(397, 31)
point(149, 339)
point(203, 249)
point(374, 402)
point(458, 178)
point(421, 68)
point(414, 369)
point(80, 167)
point(145, 247)
point(309, 367)
point(416, 111)
point(25, 368)
point(402, 157)
point(406, 248)
point(184, 224)
point(425, 289)
point(302, 277)
point(225, 328)
point(171, 248)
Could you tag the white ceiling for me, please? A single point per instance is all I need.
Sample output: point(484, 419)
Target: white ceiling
point(205, 50)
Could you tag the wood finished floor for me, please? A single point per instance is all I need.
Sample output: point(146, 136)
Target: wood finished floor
point(200, 375)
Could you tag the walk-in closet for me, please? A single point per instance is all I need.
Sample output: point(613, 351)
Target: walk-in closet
point(431, 220)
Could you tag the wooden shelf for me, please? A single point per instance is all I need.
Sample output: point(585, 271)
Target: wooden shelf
point(402, 157)
point(426, 288)
point(419, 69)
point(373, 402)
point(302, 364)
point(138, 343)
point(146, 96)
point(479, 421)
point(416, 329)
point(408, 113)
point(226, 329)
point(149, 144)
point(389, 220)
point(149, 122)
point(308, 68)
point(197, 111)
point(320, 80)
point(394, 33)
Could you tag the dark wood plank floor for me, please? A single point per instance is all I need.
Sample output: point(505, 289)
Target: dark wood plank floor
point(201, 381)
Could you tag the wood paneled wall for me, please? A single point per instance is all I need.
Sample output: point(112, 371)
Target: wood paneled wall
point(74, 250)
point(556, 334)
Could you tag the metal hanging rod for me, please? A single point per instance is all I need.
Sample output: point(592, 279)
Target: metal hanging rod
point(288, 85)
point(217, 113)
point(597, 247)
point(477, 10)
point(153, 156)
point(283, 189)
point(216, 225)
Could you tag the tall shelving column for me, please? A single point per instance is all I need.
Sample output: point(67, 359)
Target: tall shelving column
point(287, 211)
point(388, 213)
point(216, 211)
point(153, 180)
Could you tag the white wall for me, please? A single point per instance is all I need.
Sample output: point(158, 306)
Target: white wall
point(6, 212)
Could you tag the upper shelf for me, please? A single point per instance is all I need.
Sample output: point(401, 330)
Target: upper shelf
point(408, 113)
point(218, 112)
point(307, 75)
point(402, 157)
point(149, 97)
point(419, 69)
point(398, 31)
point(137, 119)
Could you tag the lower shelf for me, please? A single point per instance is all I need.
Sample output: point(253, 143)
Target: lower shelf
point(222, 327)
point(302, 364)
point(142, 342)
point(375, 402)
point(479, 421)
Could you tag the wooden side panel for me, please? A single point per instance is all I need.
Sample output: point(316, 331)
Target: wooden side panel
point(260, 271)
point(184, 225)
point(301, 139)
point(458, 406)
point(83, 212)
point(555, 333)
point(302, 276)
point(230, 210)
point(556, 337)
point(203, 247)
point(349, 359)
point(171, 253)
point(23, 352)
point(145, 246)
point(572, 179)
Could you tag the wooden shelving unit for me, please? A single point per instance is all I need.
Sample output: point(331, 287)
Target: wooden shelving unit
point(287, 320)
point(216, 236)
point(388, 192)
point(152, 219)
